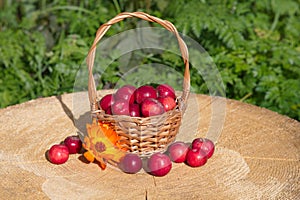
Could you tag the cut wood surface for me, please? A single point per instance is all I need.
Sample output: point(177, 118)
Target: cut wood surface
point(257, 154)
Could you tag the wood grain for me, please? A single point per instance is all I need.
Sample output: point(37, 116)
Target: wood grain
point(257, 154)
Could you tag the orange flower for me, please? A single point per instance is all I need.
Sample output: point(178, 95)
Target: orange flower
point(109, 133)
point(112, 135)
point(89, 156)
point(101, 143)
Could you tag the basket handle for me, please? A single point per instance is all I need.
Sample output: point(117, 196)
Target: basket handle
point(92, 92)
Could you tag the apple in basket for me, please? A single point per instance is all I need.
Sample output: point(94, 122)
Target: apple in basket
point(144, 101)
point(106, 101)
point(144, 92)
point(120, 107)
point(151, 107)
point(134, 110)
point(165, 90)
point(126, 92)
point(168, 102)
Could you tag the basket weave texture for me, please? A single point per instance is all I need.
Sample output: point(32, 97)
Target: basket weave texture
point(141, 135)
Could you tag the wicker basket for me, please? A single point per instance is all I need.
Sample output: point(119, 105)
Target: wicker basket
point(141, 135)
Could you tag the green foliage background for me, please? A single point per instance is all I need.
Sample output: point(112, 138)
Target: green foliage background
point(255, 45)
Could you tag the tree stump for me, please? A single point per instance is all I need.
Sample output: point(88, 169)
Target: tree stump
point(257, 155)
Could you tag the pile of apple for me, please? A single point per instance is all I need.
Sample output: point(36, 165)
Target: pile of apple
point(195, 154)
point(160, 164)
point(59, 153)
point(144, 101)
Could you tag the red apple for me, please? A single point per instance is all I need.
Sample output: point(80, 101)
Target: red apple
point(165, 90)
point(131, 163)
point(120, 107)
point(206, 145)
point(168, 102)
point(108, 111)
point(106, 101)
point(73, 143)
point(134, 110)
point(58, 154)
point(143, 92)
point(196, 157)
point(159, 164)
point(177, 151)
point(151, 107)
point(126, 92)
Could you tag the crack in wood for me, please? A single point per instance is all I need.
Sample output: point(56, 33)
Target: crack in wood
point(154, 181)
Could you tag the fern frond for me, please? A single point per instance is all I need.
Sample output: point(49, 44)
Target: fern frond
point(199, 18)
